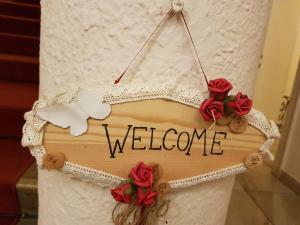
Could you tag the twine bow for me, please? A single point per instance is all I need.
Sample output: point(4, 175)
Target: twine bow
point(137, 204)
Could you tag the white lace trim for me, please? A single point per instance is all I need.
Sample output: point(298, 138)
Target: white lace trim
point(33, 131)
point(108, 180)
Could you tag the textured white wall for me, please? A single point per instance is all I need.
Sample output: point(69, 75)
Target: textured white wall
point(88, 43)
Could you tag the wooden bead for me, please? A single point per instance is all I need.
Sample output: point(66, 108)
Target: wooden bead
point(253, 160)
point(238, 124)
point(162, 187)
point(54, 160)
point(224, 120)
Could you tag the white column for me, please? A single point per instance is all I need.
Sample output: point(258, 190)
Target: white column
point(88, 44)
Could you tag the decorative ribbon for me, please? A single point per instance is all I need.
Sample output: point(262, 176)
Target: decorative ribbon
point(266, 147)
point(214, 123)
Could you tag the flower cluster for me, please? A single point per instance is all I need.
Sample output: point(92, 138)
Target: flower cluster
point(138, 189)
point(221, 104)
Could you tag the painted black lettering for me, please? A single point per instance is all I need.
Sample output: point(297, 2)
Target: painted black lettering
point(139, 138)
point(164, 139)
point(151, 142)
point(218, 143)
point(117, 143)
point(187, 141)
point(198, 137)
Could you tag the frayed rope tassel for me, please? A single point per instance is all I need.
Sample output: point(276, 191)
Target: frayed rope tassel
point(132, 214)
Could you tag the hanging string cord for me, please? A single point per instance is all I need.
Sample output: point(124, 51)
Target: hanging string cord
point(150, 37)
point(214, 123)
point(143, 46)
point(194, 47)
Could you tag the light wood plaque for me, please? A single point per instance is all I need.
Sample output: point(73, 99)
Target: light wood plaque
point(157, 116)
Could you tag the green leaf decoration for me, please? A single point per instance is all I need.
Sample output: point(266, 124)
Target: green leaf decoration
point(144, 190)
point(131, 190)
point(229, 98)
point(128, 191)
point(228, 111)
point(124, 182)
point(134, 188)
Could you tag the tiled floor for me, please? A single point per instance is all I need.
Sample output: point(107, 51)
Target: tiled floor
point(259, 198)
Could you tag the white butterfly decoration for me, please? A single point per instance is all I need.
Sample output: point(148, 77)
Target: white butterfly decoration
point(75, 114)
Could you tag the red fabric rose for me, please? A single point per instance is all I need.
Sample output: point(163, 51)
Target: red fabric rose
point(219, 88)
point(211, 108)
point(145, 196)
point(142, 175)
point(241, 104)
point(122, 193)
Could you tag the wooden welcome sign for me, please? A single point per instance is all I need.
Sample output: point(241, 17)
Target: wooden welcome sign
point(169, 133)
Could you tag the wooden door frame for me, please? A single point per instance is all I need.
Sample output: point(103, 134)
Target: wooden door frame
point(276, 167)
